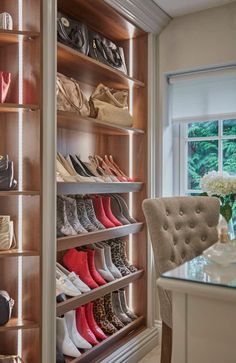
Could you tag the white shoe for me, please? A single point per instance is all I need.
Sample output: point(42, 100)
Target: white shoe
point(63, 173)
point(65, 285)
point(64, 343)
point(100, 263)
point(76, 281)
point(74, 335)
point(110, 265)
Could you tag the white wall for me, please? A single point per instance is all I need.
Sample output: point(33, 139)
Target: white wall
point(197, 41)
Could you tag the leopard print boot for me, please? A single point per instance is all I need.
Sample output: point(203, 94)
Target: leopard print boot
point(110, 312)
point(124, 257)
point(100, 317)
point(116, 257)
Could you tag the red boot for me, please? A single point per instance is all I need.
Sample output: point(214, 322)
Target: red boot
point(106, 201)
point(92, 323)
point(94, 273)
point(83, 327)
point(100, 213)
point(77, 261)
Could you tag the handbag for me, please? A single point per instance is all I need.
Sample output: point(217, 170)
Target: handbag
point(6, 306)
point(6, 22)
point(7, 237)
point(72, 33)
point(110, 106)
point(105, 51)
point(70, 97)
point(10, 359)
point(5, 80)
point(7, 181)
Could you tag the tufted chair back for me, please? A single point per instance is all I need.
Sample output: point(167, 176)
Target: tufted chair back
point(180, 228)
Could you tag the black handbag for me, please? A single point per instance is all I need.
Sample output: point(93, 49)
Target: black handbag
point(104, 50)
point(7, 181)
point(6, 306)
point(72, 33)
point(4, 162)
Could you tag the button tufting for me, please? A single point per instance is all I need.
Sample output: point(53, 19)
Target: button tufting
point(198, 211)
point(172, 258)
point(181, 212)
point(191, 225)
point(203, 238)
point(167, 213)
point(187, 241)
point(182, 255)
point(177, 227)
point(165, 227)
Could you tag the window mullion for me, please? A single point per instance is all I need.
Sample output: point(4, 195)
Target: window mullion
point(220, 146)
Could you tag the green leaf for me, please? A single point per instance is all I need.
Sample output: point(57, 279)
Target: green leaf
point(226, 211)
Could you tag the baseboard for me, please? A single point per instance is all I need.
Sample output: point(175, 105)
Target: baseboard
point(136, 348)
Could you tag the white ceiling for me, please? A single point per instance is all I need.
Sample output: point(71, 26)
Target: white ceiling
point(181, 7)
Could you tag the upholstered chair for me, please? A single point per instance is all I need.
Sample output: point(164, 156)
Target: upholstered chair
point(180, 229)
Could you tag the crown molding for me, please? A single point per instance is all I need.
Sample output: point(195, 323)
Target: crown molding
point(147, 15)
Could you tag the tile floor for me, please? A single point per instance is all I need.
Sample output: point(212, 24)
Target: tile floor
point(153, 357)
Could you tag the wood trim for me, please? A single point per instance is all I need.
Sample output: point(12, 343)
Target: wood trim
point(17, 324)
point(82, 299)
point(97, 188)
point(74, 121)
point(63, 243)
point(8, 37)
point(70, 61)
point(13, 107)
point(91, 356)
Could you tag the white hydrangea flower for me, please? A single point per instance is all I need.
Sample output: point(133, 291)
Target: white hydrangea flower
point(218, 183)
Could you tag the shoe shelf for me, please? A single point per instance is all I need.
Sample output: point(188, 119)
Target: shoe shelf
point(8, 37)
point(17, 324)
point(63, 243)
point(92, 71)
point(8, 193)
point(17, 253)
point(97, 188)
point(73, 121)
point(82, 299)
point(14, 107)
point(91, 355)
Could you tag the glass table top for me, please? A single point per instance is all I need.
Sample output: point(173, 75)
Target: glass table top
point(201, 270)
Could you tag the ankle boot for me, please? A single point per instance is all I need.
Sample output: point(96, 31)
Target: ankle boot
point(110, 312)
point(64, 343)
point(124, 257)
point(91, 214)
point(97, 331)
point(76, 338)
point(72, 216)
point(124, 208)
point(110, 265)
point(106, 201)
point(83, 327)
point(77, 261)
point(117, 210)
point(83, 217)
point(100, 263)
point(116, 303)
point(100, 213)
point(100, 317)
point(124, 305)
point(63, 226)
point(116, 258)
point(94, 273)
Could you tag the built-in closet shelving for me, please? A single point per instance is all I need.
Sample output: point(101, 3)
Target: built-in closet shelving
point(86, 136)
point(20, 130)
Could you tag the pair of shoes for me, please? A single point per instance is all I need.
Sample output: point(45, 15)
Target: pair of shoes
point(71, 279)
point(104, 263)
point(120, 209)
point(120, 307)
point(119, 257)
point(83, 264)
point(102, 207)
point(7, 181)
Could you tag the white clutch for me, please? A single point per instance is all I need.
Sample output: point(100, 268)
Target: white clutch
point(6, 21)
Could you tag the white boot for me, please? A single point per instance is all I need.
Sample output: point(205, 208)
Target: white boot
point(64, 343)
point(100, 263)
point(110, 265)
point(76, 338)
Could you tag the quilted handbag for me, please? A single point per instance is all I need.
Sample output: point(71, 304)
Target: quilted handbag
point(10, 359)
point(6, 306)
point(6, 22)
point(110, 106)
point(5, 80)
point(70, 97)
point(7, 238)
point(72, 33)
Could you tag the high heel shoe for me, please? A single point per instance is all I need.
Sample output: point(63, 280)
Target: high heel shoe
point(100, 317)
point(93, 166)
point(64, 343)
point(106, 169)
point(110, 161)
point(64, 174)
point(124, 208)
point(81, 177)
point(74, 334)
point(97, 331)
point(110, 312)
point(100, 212)
point(106, 201)
point(100, 263)
point(83, 327)
point(87, 171)
point(93, 271)
point(116, 303)
point(124, 305)
point(110, 265)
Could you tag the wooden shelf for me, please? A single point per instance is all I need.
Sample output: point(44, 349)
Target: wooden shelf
point(88, 70)
point(17, 324)
point(13, 107)
point(91, 355)
point(8, 193)
point(63, 243)
point(82, 299)
point(14, 36)
point(96, 188)
point(73, 121)
point(17, 253)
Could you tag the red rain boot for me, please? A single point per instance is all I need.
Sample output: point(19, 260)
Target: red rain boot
point(106, 201)
point(77, 261)
point(83, 327)
point(97, 331)
point(100, 213)
point(94, 273)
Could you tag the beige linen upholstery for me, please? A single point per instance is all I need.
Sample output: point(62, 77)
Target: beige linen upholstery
point(180, 228)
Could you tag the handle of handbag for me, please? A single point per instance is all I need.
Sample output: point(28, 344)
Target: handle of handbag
point(62, 89)
point(116, 60)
